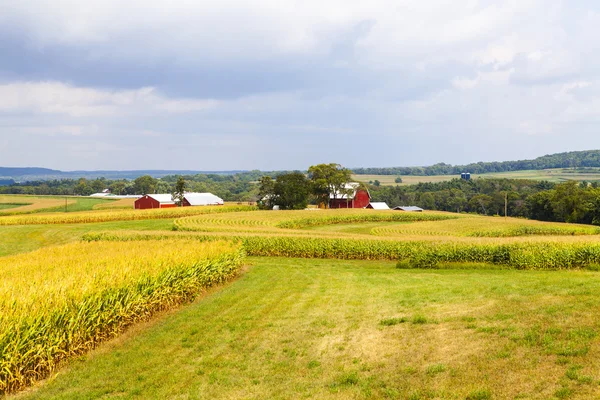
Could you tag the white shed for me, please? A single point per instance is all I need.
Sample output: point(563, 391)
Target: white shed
point(201, 199)
point(378, 206)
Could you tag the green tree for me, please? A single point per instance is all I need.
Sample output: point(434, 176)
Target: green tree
point(82, 188)
point(398, 180)
point(145, 184)
point(481, 203)
point(291, 191)
point(328, 180)
point(376, 182)
point(179, 193)
point(118, 187)
point(266, 192)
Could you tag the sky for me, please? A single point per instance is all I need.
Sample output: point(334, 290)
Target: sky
point(276, 84)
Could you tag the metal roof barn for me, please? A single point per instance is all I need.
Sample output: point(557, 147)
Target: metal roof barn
point(202, 199)
point(378, 206)
point(409, 208)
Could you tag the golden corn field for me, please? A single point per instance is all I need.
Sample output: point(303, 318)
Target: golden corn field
point(116, 215)
point(61, 301)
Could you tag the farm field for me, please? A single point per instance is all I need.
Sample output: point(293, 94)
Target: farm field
point(331, 329)
point(23, 204)
point(552, 175)
point(329, 304)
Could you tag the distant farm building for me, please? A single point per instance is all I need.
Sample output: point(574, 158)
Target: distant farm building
point(408, 208)
point(466, 176)
point(166, 200)
point(378, 206)
point(357, 197)
point(201, 199)
point(154, 201)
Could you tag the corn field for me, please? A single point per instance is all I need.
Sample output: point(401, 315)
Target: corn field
point(517, 254)
point(118, 215)
point(61, 301)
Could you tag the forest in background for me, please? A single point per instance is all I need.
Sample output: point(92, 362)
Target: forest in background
point(578, 160)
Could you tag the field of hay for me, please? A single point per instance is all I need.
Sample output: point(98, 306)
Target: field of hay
point(331, 304)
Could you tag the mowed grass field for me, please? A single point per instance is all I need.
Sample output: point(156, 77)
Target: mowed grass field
point(326, 304)
point(330, 329)
point(553, 175)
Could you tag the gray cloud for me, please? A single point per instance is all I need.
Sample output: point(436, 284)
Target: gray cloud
point(282, 85)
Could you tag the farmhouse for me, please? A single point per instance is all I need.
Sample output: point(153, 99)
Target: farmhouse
point(408, 208)
point(201, 199)
point(357, 197)
point(154, 201)
point(378, 206)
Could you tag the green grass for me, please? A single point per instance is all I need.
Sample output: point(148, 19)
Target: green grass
point(82, 204)
point(23, 238)
point(7, 206)
point(330, 329)
point(85, 204)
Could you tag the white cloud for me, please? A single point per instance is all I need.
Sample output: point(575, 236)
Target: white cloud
point(193, 32)
point(61, 98)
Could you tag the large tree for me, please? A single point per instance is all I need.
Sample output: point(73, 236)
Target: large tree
point(328, 181)
point(266, 192)
point(145, 184)
point(292, 191)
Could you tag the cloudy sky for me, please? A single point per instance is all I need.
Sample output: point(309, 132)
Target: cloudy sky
point(279, 84)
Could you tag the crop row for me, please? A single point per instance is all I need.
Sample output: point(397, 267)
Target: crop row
point(119, 215)
point(539, 231)
point(363, 217)
point(401, 230)
point(61, 301)
point(418, 254)
point(199, 222)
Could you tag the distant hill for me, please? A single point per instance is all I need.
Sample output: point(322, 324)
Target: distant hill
point(44, 174)
point(573, 159)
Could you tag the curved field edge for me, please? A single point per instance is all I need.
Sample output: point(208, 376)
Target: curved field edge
point(295, 219)
point(36, 338)
point(409, 254)
point(348, 219)
point(118, 215)
point(329, 329)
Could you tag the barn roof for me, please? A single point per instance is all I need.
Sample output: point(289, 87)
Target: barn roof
point(203, 199)
point(163, 198)
point(378, 206)
point(408, 208)
point(350, 185)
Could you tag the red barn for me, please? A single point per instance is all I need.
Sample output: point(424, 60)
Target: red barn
point(154, 201)
point(358, 198)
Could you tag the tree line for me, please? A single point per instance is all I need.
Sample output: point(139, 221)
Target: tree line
point(565, 202)
point(581, 160)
